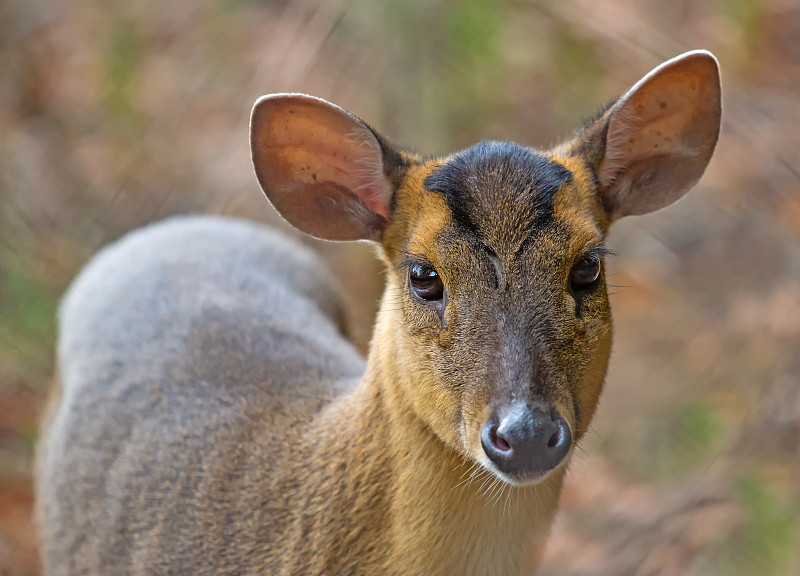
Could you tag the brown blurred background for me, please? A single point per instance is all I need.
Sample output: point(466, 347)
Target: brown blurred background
point(116, 114)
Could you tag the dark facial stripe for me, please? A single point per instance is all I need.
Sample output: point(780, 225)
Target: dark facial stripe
point(499, 184)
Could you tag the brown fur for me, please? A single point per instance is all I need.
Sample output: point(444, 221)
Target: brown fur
point(212, 420)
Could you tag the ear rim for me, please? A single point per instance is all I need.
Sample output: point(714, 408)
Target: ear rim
point(701, 55)
point(374, 221)
point(614, 112)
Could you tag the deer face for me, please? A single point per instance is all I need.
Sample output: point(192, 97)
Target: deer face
point(496, 268)
point(496, 296)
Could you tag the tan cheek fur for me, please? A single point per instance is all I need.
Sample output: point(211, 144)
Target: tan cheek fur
point(578, 207)
point(419, 217)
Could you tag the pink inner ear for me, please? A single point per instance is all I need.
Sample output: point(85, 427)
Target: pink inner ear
point(661, 135)
point(310, 142)
point(654, 120)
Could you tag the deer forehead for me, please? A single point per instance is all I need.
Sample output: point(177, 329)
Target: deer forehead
point(499, 198)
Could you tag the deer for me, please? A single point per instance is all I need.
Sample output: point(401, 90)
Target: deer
point(211, 417)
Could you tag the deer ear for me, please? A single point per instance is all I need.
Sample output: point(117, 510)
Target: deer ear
point(320, 166)
point(655, 142)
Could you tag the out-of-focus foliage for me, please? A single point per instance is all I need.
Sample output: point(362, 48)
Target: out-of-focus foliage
point(113, 115)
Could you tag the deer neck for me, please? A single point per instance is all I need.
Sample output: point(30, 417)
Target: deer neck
point(447, 515)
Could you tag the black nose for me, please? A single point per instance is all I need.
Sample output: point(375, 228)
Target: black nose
point(525, 442)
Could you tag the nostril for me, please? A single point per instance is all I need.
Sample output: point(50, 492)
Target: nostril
point(561, 438)
point(499, 441)
point(496, 445)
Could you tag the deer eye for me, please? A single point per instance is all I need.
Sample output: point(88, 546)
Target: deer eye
point(425, 282)
point(585, 273)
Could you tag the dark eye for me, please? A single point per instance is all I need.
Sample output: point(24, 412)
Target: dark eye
point(585, 273)
point(425, 282)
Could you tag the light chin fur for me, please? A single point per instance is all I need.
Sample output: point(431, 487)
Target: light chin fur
point(487, 465)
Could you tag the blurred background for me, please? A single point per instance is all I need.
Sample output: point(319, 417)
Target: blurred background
point(116, 114)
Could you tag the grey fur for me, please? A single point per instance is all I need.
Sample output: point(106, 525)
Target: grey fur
point(169, 480)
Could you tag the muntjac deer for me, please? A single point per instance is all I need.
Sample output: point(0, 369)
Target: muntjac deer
point(210, 417)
